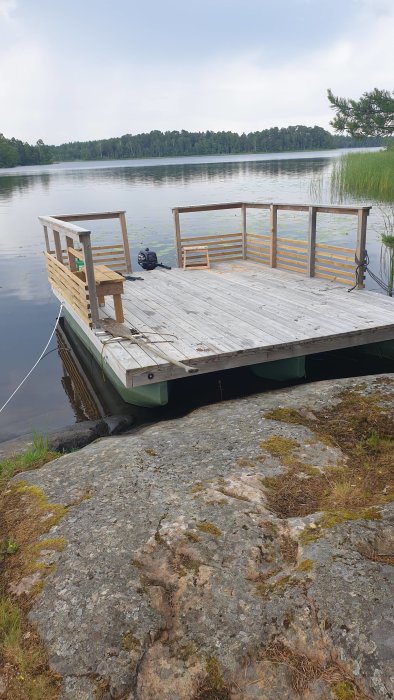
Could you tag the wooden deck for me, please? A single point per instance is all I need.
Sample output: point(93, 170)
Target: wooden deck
point(235, 314)
point(266, 296)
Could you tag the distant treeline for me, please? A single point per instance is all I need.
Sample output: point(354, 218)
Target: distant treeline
point(14, 152)
point(178, 143)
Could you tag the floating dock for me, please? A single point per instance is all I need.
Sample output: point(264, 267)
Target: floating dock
point(264, 298)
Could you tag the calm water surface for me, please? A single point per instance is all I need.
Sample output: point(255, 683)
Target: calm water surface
point(146, 189)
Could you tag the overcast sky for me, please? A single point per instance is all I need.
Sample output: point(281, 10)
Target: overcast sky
point(87, 69)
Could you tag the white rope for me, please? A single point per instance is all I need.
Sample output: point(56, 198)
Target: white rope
point(35, 365)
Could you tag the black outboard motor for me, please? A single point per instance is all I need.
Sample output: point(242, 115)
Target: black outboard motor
point(148, 260)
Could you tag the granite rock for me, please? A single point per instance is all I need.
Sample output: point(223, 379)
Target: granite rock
point(178, 582)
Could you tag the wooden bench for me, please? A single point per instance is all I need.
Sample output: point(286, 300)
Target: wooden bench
point(108, 282)
point(203, 250)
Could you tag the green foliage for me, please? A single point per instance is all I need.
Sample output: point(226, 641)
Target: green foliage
point(10, 546)
point(371, 115)
point(10, 623)
point(37, 455)
point(387, 250)
point(184, 143)
point(157, 144)
point(14, 152)
point(364, 175)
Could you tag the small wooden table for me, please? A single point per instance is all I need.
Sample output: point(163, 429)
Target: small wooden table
point(109, 283)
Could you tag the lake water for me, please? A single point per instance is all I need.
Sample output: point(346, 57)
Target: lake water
point(147, 190)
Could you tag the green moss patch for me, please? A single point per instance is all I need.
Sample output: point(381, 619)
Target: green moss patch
point(331, 518)
point(305, 565)
point(285, 415)
point(279, 446)
point(213, 686)
point(209, 528)
point(344, 690)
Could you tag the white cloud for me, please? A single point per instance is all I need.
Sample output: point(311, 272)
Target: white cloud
point(6, 8)
point(61, 96)
point(26, 111)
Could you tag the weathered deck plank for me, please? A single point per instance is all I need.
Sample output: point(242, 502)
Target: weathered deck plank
point(237, 314)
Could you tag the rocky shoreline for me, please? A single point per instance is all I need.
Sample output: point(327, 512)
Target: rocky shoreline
point(71, 437)
point(244, 551)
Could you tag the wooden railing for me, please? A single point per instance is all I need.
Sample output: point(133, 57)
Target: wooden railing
point(71, 288)
point(115, 256)
point(308, 256)
point(65, 243)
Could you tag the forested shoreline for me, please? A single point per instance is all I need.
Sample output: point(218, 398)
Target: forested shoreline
point(157, 144)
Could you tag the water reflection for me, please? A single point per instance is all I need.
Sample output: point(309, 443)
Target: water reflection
point(162, 175)
point(86, 403)
point(19, 184)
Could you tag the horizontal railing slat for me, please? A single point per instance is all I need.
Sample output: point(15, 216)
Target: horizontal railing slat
point(325, 246)
point(336, 277)
point(342, 268)
point(107, 247)
point(193, 239)
point(71, 288)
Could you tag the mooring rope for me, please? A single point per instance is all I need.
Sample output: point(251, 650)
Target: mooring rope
point(364, 266)
point(36, 363)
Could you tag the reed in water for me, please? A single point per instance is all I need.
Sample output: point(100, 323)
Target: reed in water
point(366, 175)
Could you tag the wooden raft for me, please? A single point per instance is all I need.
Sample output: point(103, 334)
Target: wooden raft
point(235, 314)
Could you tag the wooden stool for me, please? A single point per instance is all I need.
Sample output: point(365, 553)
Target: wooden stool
point(203, 249)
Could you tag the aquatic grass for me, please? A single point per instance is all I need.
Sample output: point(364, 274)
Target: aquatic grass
point(387, 260)
point(364, 175)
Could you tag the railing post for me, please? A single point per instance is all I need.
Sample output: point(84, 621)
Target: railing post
point(274, 233)
point(126, 248)
point(89, 272)
point(71, 259)
point(177, 238)
point(47, 246)
point(243, 223)
point(58, 245)
point(361, 242)
point(312, 241)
